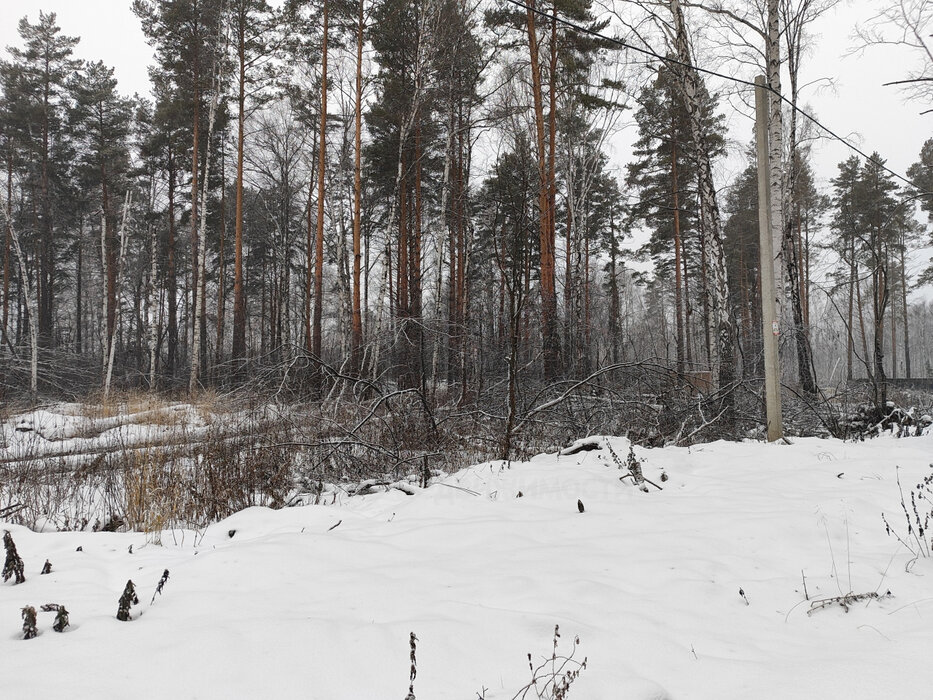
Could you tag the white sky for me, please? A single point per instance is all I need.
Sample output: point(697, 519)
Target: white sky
point(109, 32)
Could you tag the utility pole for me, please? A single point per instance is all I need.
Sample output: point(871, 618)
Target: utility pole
point(770, 328)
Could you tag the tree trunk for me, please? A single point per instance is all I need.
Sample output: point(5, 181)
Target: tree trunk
point(688, 307)
point(893, 335)
point(112, 341)
point(549, 332)
point(416, 338)
point(221, 263)
point(200, 264)
point(552, 356)
point(152, 306)
point(792, 244)
point(861, 321)
point(195, 181)
point(776, 153)
point(356, 342)
point(7, 249)
point(79, 293)
point(904, 309)
point(238, 349)
point(319, 239)
point(614, 312)
point(108, 256)
point(31, 300)
point(45, 257)
point(718, 289)
point(171, 273)
point(678, 302)
point(850, 326)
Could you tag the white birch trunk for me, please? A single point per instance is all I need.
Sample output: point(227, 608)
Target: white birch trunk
point(124, 235)
point(32, 305)
point(776, 153)
point(722, 358)
point(202, 257)
point(152, 305)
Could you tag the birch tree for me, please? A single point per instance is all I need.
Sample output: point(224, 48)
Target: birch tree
point(31, 302)
point(718, 288)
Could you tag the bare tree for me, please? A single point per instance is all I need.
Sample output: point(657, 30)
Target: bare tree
point(906, 24)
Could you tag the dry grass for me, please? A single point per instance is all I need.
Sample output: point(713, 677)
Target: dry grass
point(153, 498)
point(209, 404)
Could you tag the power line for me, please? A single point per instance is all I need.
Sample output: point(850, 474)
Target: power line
point(553, 16)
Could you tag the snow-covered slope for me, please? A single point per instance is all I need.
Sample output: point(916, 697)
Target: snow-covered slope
point(291, 607)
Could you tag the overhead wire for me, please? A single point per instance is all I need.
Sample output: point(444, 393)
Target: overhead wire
point(555, 17)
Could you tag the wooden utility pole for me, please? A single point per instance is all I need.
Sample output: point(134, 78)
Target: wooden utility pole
point(770, 328)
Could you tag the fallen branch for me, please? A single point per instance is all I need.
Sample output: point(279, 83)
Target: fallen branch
point(10, 510)
point(845, 601)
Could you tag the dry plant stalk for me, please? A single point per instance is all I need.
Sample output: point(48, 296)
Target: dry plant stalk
point(555, 675)
point(413, 643)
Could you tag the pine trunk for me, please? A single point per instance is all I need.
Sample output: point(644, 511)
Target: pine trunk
point(356, 341)
point(551, 343)
point(221, 265)
point(904, 310)
point(171, 273)
point(319, 238)
point(7, 249)
point(238, 349)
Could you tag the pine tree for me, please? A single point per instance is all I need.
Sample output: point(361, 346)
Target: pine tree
point(664, 173)
point(101, 119)
point(406, 43)
point(43, 66)
point(186, 37)
point(741, 240)
point(921, 174)
point(251, 21)
point(868, 222)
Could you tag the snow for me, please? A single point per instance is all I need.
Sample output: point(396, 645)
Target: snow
point(290, 606)
point(64, 430)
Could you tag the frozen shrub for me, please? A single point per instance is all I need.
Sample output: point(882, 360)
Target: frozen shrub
point(13, 566)
point(127, 600)
point(29, 622)
point(61, 616)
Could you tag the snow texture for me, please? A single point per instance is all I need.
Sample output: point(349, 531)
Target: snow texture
point(290, 607)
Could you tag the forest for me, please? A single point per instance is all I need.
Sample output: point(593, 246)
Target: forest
point(333, 202)
point(490, 349)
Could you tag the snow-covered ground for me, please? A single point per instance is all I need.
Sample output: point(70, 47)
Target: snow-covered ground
point(290, 606)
